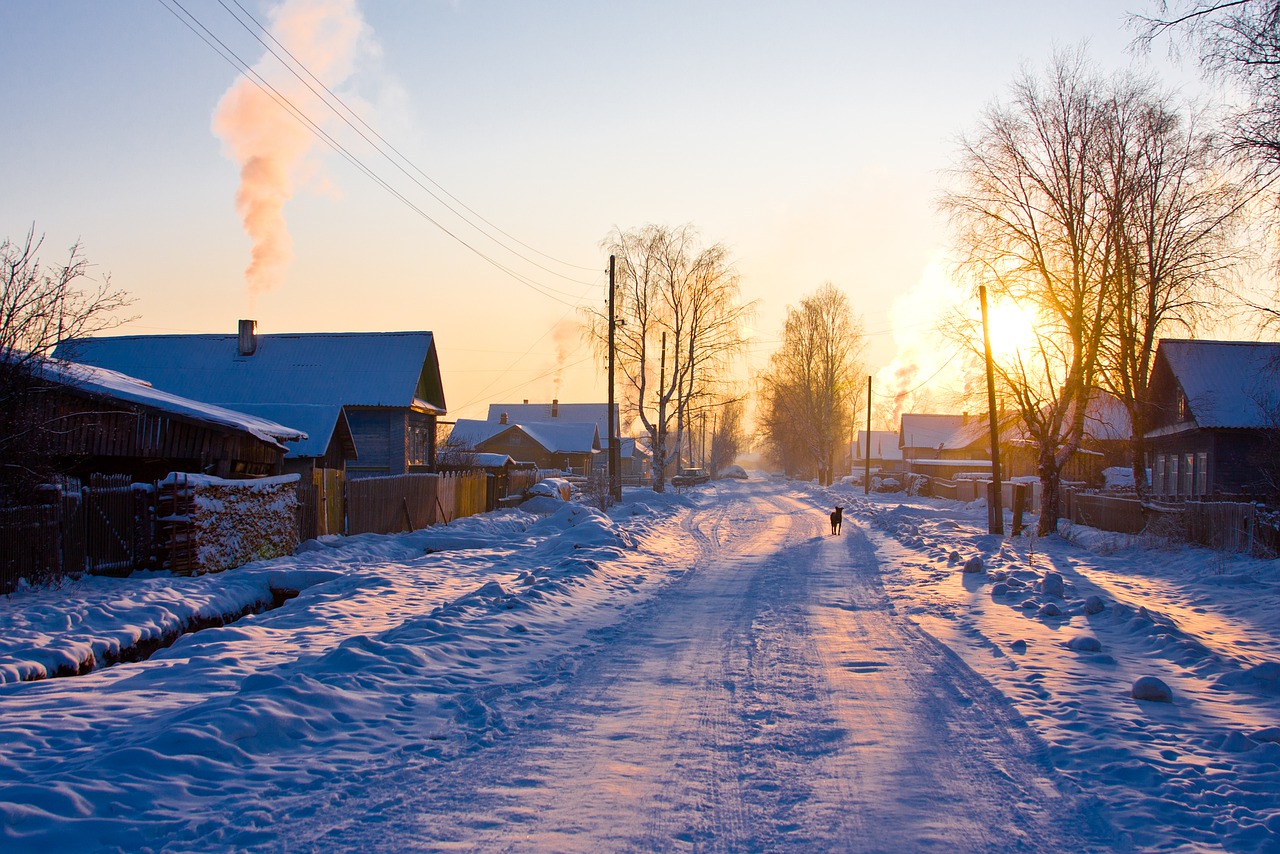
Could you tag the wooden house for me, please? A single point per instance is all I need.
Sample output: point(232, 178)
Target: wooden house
point(566, 447)
point(105, 422)
point(369, 401)
point(633, 458)
point(1216, 421)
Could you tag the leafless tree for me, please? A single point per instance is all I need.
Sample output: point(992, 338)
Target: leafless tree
point(1238, 41)
point(681, 324)
point(1174, 210)
point(40, 307)
point(808, 394)
point(1032, 224)
point(728, 436)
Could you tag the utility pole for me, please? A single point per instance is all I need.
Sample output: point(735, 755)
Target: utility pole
point(615, 458)
point(866, 473)
point(995, 501)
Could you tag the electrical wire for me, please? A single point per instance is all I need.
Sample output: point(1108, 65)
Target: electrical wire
point(334, 98)
point(298, 115)
point(931, 378)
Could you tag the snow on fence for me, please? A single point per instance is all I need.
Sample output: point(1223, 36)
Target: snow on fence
point(406, 502)
point(207, 524)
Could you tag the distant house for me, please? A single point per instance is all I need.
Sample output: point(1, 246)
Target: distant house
point(110, 423)
point(566, 447)
point(943, 445)
point(634, 456)
point(368, 401)
point(885, 452)
point(1216, 422)
point(946, 445)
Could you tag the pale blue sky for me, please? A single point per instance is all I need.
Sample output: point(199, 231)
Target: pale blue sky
point(808, 137)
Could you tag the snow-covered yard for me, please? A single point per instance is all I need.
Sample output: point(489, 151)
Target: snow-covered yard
point(701, 671)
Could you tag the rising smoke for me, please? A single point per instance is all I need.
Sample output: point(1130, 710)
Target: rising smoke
point(269, 143)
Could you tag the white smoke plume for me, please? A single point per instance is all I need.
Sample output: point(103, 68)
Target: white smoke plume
point(919, 376)
point(271, 145)
point(567, 336)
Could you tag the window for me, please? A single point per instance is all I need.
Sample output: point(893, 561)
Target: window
point(1188, 475)
point(1157, 480)
point(1202, 473)
point(1173, 475)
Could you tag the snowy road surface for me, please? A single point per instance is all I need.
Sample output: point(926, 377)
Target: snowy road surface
point(770, 699)
point(701, 671)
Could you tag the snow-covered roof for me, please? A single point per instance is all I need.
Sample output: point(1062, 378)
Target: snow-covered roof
point(319, 420)
point(555, 438)
point(1226, 383)
point(104, 383)
point(394, 369)
point(542, 413)
point(940, 432)
point(884, 445)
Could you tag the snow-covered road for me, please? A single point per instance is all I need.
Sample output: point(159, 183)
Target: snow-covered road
point(770, 699)
point(700, 671)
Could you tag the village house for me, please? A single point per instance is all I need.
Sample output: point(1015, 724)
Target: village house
point(885, 455)
point(634, 456)
point(947, 445)
point(368, 402)
point(568, 447)
point(110, 423)
point(1216, 419)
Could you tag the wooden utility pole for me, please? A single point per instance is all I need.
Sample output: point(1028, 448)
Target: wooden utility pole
point(866, 472)
point(995, 502)
point(615, 457)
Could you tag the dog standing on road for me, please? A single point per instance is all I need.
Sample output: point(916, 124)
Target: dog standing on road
point(837, 516)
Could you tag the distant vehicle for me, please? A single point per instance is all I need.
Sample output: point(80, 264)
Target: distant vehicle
point(691, 477)
point(735, 472)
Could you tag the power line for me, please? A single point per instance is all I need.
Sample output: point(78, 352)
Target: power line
point(932, 376)
point(298, 115)
point(333, 98)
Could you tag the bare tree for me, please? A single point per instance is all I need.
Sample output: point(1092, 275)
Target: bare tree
point(1238, 41)
point(681, 323)
point(1174, 211)
point(40, 307)
point(808, 394)
point(727, 434)
point(1033, 225)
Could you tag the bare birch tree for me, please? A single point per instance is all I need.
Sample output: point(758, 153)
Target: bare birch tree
point(808, 394)
point(681, 322)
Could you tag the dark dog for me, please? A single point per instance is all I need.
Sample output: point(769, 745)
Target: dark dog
point(837, 516)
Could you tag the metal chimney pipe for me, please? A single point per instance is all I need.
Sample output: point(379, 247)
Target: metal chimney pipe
point(248, 337)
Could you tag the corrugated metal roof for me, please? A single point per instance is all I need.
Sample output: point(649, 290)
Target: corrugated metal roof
point(347, 368)
point(318, 420)
point(555, 438)
point(1227, 383)
point(540, 413)
point(304, 376)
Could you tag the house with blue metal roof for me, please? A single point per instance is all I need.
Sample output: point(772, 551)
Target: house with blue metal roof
point(1216, 419)
point(569, 447)
point(367, 401)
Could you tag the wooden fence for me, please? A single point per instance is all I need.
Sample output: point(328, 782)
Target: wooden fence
point(1231, 526)
point(1221, 525)
point(406, 502)
point(105, 526)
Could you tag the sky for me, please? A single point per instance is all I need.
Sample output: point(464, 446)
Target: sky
point(810, 138)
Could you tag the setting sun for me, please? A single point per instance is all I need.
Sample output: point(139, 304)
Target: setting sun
point(1012, 328)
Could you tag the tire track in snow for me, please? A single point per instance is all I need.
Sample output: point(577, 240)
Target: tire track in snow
point(768, 699)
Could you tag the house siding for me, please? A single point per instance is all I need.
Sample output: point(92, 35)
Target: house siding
point(371, 429)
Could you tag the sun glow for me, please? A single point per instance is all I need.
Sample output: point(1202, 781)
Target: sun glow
point(1012, 328)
